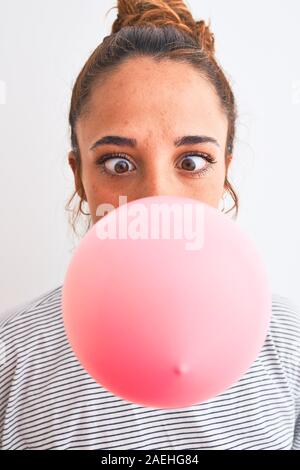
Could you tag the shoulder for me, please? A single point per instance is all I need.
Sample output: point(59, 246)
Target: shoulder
point(27, 318)
point(284, 338)
point(285, 321)
point(30, 334)
point(19, 311)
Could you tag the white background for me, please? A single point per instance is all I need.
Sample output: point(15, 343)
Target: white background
point(43, 46)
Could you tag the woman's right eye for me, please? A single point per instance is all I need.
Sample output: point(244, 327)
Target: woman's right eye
point(115, 166)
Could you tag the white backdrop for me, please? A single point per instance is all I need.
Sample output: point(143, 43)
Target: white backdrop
point(43, 46)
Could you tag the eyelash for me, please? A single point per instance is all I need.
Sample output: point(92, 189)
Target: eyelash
point(211, 161)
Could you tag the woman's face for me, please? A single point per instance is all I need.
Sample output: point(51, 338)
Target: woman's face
point(156, 106)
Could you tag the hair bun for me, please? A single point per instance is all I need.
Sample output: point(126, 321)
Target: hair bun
point(163, 12)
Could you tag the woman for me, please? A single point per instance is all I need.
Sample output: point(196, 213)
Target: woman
point(151, 113)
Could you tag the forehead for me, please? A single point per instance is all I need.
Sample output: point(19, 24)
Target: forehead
point(165, 98)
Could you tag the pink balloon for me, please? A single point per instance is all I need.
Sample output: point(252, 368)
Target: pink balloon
point(157, 322)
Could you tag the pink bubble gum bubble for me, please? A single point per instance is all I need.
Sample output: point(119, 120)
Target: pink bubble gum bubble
point(156, 322)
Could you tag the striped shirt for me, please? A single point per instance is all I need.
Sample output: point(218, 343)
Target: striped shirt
point(48, 401)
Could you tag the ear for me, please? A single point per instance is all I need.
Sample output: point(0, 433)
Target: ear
point(227, 163)
point(228, 160)
point(72, 161)
point(77, 179)
point(229, 157)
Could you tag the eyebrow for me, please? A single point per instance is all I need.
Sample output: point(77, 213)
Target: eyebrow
point(129, 142)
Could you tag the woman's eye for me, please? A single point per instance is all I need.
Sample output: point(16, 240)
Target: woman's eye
point(116, 165)
point(195, 163)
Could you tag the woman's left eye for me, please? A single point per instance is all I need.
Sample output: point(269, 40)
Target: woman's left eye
point(195, 163)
